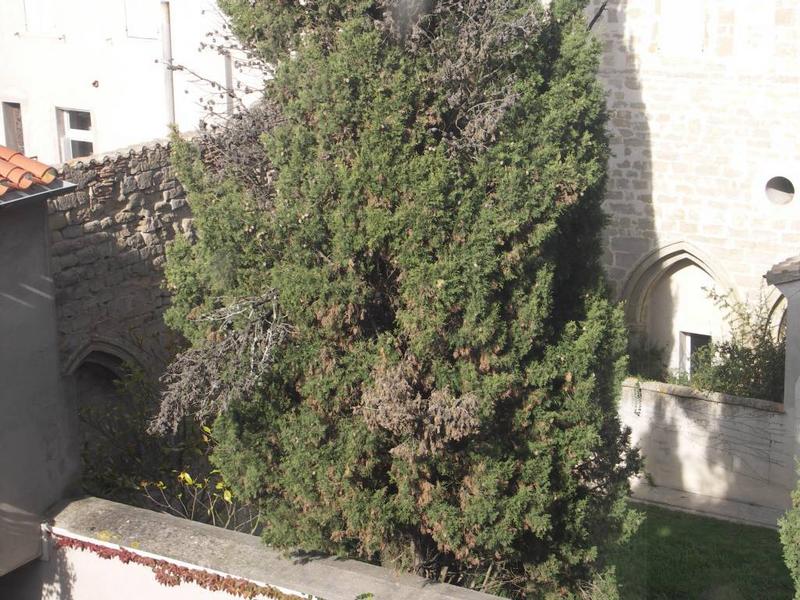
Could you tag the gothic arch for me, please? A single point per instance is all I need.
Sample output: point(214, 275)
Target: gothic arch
point(777, 310)
point(659, 263)
point(104, 352)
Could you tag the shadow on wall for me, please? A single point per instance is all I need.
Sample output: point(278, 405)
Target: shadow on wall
point(108, 242)
point(631, 231)
point(107, 247)
point(698, 446)
point(50, 579)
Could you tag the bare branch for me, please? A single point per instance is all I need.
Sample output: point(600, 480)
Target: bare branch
point(597, 15)
point(203, 380)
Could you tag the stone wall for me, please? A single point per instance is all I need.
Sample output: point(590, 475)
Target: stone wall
point(719, 447)
point(107, 251)
point(702, 105)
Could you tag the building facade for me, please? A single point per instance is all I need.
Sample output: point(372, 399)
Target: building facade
point(38, 454)
point(81, 77)
point(701, 96)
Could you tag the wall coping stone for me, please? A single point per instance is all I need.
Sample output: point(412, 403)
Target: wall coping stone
point(122, 153)
point(684, 391)
point(241, 555)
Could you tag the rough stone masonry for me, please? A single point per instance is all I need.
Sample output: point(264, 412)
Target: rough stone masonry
point(108, 240)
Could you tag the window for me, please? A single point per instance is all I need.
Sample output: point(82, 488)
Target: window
point(12, 124)
point(690, 343)
point(41, 17)
point(75, 133)
point(143, 19)
point(779, 190)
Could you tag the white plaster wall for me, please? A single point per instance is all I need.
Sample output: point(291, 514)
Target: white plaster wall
point(83, 575)
point(54, 62)
point(38, 449)
point(720, 450)
point(703, 100)
point(680, 302)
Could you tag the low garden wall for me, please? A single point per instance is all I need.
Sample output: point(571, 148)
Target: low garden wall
point(724, 448)
point(96, 549)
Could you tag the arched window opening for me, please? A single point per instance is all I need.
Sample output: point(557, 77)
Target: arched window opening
point(106, 414)
point(672, 311)
point(682, 316)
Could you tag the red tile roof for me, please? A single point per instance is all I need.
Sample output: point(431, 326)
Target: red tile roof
point(18, 172)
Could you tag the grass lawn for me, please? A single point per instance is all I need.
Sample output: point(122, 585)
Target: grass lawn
point(674, 555)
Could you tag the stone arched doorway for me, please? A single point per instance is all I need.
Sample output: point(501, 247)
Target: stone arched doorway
point(97, 384)
point(111, 415)
point(670, 305)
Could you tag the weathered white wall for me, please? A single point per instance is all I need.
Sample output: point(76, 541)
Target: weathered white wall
point(703, 104)
point(718, 446)
point(55, 54)
point(38, 457)
point(82, 574)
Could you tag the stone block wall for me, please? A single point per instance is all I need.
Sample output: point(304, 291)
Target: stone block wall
point(701, 96)
point(719, 447)
point(107, 252)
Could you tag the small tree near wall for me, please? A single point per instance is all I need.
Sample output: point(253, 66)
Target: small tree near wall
point(789, 526)
point(433, 381)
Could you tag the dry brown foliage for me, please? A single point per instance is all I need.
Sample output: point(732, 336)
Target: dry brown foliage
point(471, 42)
point(240, 346)
point(423, 423)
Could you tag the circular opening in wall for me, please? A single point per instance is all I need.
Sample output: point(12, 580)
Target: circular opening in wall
point(780, 190)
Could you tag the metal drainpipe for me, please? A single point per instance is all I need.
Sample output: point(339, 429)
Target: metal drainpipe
point(228, 82)
point(166, 58)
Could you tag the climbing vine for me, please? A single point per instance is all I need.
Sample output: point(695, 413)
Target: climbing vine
point(171, 574)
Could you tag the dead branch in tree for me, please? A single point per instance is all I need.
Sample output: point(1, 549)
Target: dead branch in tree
point(205, 379)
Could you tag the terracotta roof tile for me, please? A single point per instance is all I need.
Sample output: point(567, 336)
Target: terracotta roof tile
point(22, 178)
point(18, 172)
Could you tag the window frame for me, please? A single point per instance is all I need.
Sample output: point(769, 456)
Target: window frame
point(14, 144)
point(689, 343)
point(67, 135)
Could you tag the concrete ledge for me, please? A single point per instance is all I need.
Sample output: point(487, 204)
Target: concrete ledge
point(241, 555)
point(683, 391)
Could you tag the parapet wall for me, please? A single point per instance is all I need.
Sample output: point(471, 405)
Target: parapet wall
point(721, 447)
point(107, 253)
point(101, 549)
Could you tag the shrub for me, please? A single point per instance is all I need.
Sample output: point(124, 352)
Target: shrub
point(646, 361)
point(116, 452)
point(444, 395)
point(751, 362)
point(123, 462)
point(789, 526)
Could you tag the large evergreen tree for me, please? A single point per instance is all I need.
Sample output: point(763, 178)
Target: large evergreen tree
point(423, 212)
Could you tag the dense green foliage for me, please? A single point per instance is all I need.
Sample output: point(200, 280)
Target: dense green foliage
point(790, 539)
point(445, 401)
point(751, 362)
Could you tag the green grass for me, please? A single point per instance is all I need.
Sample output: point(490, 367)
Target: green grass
point(678, 556)
point(674, 555)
